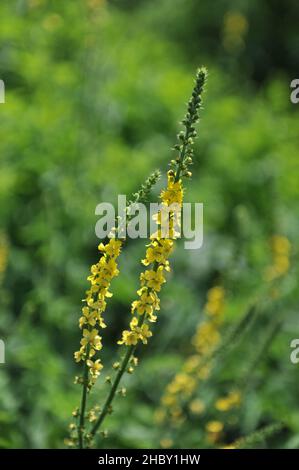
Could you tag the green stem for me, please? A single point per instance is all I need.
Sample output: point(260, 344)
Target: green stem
point(115, 384)
point(182, 154)
point(117, 379)
point(83, 406)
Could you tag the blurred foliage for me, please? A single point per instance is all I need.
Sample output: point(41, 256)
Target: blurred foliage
point(94, 91)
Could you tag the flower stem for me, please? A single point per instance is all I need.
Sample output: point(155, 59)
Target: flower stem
point(83, 406)
point(111, 395)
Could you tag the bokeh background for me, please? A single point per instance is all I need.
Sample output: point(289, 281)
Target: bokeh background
point(95, 90)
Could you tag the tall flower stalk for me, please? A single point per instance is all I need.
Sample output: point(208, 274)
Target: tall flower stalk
point(156, 262)
point(91, 321)
point(144, 308)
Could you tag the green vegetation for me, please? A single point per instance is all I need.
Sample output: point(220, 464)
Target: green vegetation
point(94, 91)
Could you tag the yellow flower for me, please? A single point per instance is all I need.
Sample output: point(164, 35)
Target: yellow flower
point(232, 400)
point(214, 430)
point(108, 268)
point(147, 303)
point(214, 305)
point(214, 426)
point(145, 333)
point(153, 279)
point(112, 249)
point(129, 338)
point(158, 251)
point(94, 367)
point(174, 192)
point(80, 355)
point(142, 306)
point(92, 338)
point(206, 337)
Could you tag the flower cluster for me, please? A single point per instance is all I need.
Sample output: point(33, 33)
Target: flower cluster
point(231, 400)
point(207, 334)
point(151, 280)
point(91, 321)
point(181, 389)
point(215, 429)
point(146, 305)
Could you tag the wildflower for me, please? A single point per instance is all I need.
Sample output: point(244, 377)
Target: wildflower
point(91, 321)
point(112, 249)
point(129, 338)
point(92, 338)
point(173, 194)
point(281, 248)
point(215, 295)
point(214, 430)
point(137, 332)
point(158, 251)
point(147, 304)
point(94, 367)
point(153, 279)
point(205, 340)
point(145, 333)
point(233, 399)
point(80, 355)
point(95, 302)
point(156, 257)
point(214, 426)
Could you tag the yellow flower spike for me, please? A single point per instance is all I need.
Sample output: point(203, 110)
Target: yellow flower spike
point(157, 253)
point(195, 369)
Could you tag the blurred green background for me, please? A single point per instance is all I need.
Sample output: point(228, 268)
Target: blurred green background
point(94, 93)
